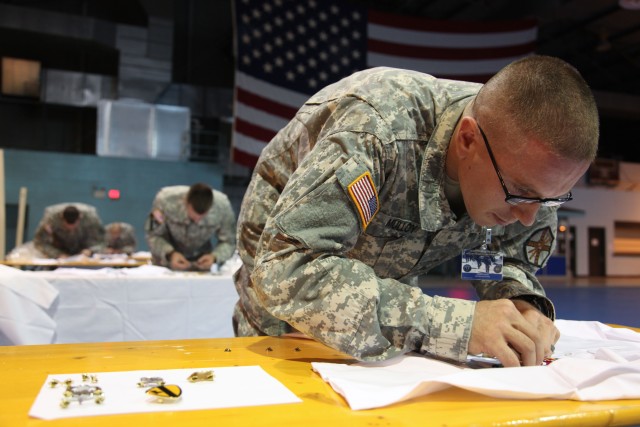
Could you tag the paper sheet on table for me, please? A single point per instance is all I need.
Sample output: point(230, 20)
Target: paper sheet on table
point(607, 367)
point(24, 304)
point(232, 387)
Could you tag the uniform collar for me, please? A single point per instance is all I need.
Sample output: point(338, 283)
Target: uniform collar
point(435, 212)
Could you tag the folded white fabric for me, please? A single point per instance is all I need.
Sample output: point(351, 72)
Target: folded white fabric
point(143, 270)
point(24, 301)
point(593, 376)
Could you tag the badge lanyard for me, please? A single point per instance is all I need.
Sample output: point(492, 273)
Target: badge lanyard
point(482, 264)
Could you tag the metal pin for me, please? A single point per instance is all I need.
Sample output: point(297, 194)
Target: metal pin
point(150, 382)
point(93, 379)
point(201, 376)
point(165, 393)
point(81, 393)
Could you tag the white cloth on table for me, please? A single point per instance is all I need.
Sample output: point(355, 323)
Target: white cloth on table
point(595, 362)
point(24, 304)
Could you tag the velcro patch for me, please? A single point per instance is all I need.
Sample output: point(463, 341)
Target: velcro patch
point(538, 248)
point(158, 216)
point(365, 197)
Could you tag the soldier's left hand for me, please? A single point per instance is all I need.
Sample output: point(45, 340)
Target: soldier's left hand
point(545, 326)
point(205, 261)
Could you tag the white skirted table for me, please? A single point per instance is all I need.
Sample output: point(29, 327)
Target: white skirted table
point(145, 303)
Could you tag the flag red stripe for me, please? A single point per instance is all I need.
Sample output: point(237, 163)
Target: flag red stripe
point(243, 158)
point(254, 131)
point(264, 104)
point(408, 51)
point(465, 27)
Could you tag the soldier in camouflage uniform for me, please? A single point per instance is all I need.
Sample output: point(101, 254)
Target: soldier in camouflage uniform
point(69, 229)
point(384, 175)
point(182, 223)
point(120, 238)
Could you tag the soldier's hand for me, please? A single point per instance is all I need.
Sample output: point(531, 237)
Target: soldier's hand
point(205, 262)
point(177, 261)
point(501, 331)
point(545, 326)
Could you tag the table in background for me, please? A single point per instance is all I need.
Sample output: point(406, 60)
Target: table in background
point(24, 369)
point(55, 263)
point(93, 308)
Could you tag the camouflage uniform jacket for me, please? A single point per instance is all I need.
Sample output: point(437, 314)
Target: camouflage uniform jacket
point(318, 260)
point(53, 240)
point(169, 229)
point(122, 242)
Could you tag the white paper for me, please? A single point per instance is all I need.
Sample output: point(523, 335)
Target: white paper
point(607, 368)
point(232, 387)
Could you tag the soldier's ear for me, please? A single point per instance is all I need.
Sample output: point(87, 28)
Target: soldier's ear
point(465, 138)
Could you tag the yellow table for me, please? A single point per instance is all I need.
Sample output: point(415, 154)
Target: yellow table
point(23, 370)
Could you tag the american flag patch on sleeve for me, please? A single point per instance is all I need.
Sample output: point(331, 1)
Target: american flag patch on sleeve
point(365, 197)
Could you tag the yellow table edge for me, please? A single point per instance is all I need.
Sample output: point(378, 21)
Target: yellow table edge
point(23, 370)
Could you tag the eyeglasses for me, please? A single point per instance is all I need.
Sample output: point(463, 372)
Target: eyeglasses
point(516, 200)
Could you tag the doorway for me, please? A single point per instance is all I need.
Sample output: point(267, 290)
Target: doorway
point(597, 259)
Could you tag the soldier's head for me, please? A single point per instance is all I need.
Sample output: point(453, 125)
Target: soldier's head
point(199, 201)
point(70, 217)
point(525, 140)
point(113, 230)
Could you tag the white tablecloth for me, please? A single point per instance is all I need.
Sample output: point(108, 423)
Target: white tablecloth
point(93, 307)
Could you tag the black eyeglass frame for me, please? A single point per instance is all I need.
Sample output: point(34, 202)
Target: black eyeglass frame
point(516, 200)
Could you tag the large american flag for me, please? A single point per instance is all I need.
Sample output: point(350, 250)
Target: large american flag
point(289, 49)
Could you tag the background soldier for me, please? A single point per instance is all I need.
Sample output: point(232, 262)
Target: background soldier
point(182, 223)
point(69, 229)
point(120, 238)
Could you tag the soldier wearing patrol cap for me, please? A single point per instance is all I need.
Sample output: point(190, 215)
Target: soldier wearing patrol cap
point(388, 173)
point(69, 229)
point(182, 223)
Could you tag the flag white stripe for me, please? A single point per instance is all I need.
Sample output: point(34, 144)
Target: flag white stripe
point(260, 117)
point(451, 40)
point(267, 90)
point(247, 144)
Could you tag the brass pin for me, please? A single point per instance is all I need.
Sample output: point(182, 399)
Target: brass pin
point(201, 376)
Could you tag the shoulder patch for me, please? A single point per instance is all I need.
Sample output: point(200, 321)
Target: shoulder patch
point(158, 216)
point(538, 247)
point(364, 195)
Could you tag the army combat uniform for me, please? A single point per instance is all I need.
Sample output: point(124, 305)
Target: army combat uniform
point(168, 228)
point(346, 207)
point(53, 240)
point(120, 237)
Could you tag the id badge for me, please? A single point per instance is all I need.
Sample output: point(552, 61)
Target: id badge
point(481, 264)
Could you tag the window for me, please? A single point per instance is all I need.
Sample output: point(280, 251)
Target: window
point(626, 238)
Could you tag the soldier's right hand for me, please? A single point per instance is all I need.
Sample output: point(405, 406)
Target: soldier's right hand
point(499, 330)
point(177, 261)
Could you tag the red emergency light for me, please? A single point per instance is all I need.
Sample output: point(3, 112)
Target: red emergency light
point(113, 194)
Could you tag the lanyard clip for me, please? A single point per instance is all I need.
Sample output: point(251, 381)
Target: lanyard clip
point(487, 238)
